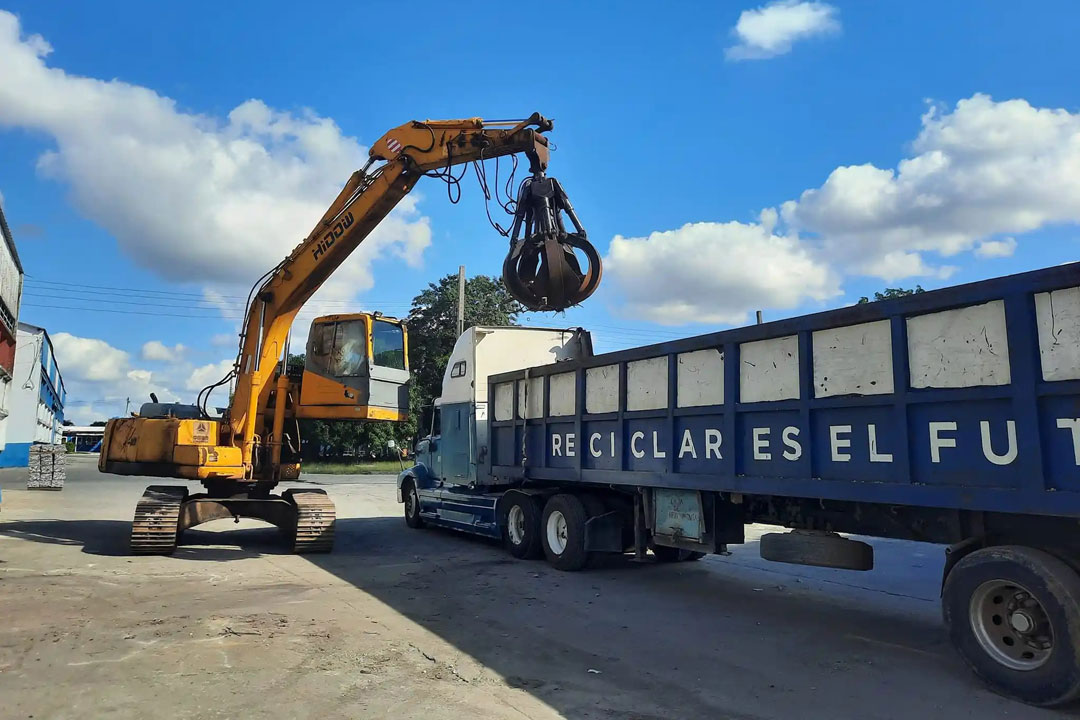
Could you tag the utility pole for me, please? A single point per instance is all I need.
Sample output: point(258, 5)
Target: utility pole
point(460, 300)
point(127, 406)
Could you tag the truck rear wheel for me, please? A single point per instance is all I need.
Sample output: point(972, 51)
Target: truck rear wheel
point(1013, 613)
point(521, 526)
point(563, 532)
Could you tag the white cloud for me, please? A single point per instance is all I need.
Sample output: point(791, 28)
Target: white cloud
point(983, 169)
point(89, 358)
point(980, 173)
point(208, 374)
point(224, 339)
point(996, 248)
point(242, 190)
point(101, 378)
point(714, 273)
point(772, 29)
point(157, 351)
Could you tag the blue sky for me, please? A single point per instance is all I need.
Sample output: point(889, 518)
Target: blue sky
point(724, 157)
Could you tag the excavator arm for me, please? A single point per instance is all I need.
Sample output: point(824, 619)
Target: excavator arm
point(540, 271)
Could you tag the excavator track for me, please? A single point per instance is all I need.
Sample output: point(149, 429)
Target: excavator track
point(157, 520)
point(315, 518)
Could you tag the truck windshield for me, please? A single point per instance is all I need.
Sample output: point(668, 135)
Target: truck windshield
point(388, 345)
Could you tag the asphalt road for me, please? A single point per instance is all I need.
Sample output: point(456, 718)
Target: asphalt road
point(430, 624)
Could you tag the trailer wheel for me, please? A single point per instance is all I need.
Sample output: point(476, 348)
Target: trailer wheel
point(563, 532)
point(521, 526)
point(412, 505)
point(1013, 613)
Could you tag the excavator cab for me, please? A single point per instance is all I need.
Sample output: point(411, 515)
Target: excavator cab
point(356, 367)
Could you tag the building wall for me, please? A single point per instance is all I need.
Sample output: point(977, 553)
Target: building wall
point(11, 277)
point(36, 397)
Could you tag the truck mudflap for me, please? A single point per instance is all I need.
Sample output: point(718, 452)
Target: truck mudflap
point(693, 520)
point(604, 533)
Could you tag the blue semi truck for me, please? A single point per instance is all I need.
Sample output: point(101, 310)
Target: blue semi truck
point(948, 417)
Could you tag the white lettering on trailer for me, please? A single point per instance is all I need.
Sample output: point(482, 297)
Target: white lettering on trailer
point(987, 446)
point(761, 442)
point(794, 451)
point(840, 441)
point(713, 438)
point(875, 456)
point(687, 445)
point(937, 442)
point(1072, 425)
point(836, 443)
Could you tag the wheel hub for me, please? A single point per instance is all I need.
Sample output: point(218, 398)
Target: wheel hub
point(556, 532)
point(1011, 625)
point(1021, 622)
point(515, 525)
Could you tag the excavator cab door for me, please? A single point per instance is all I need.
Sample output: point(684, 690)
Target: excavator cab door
point(355, 367)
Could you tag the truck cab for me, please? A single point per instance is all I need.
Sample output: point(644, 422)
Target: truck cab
point(452, 454)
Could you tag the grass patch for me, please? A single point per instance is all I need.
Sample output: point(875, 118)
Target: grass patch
point(379, 467)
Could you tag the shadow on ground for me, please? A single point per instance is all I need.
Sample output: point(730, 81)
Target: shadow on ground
point(110, 538)
point(707, 639)
point(714, 638)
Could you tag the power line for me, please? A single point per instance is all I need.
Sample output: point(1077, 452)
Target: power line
point(75, 294)
point(302, 314)
point(33, 279)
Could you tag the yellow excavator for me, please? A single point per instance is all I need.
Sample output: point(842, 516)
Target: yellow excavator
point(356, 365)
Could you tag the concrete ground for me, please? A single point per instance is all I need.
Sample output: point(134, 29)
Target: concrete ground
point(430, 624)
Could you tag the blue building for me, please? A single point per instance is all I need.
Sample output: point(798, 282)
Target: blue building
point(36, 399)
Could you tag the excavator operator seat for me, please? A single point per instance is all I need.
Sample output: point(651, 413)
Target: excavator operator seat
point(356, 366)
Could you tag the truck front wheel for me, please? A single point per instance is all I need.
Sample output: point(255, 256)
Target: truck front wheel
point(412, 505)
point(563, 532)
point(521, 526)
point(1013, 613)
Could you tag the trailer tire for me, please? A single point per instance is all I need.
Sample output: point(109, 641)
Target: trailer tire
point(562, 530)
point(521, 526)
point(412, 505)
point(1013, 613)
point(801, 547)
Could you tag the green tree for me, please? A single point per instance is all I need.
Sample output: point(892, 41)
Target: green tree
point(890, 293)
point(432, 326)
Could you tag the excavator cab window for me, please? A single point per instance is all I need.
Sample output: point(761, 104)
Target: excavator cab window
point(388, 345)
point(322, 344)
point(349, 356)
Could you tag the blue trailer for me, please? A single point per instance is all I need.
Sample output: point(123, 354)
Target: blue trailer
point(949, 417)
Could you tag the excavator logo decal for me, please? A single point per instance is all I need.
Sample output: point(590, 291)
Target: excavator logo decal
point(328, 239)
